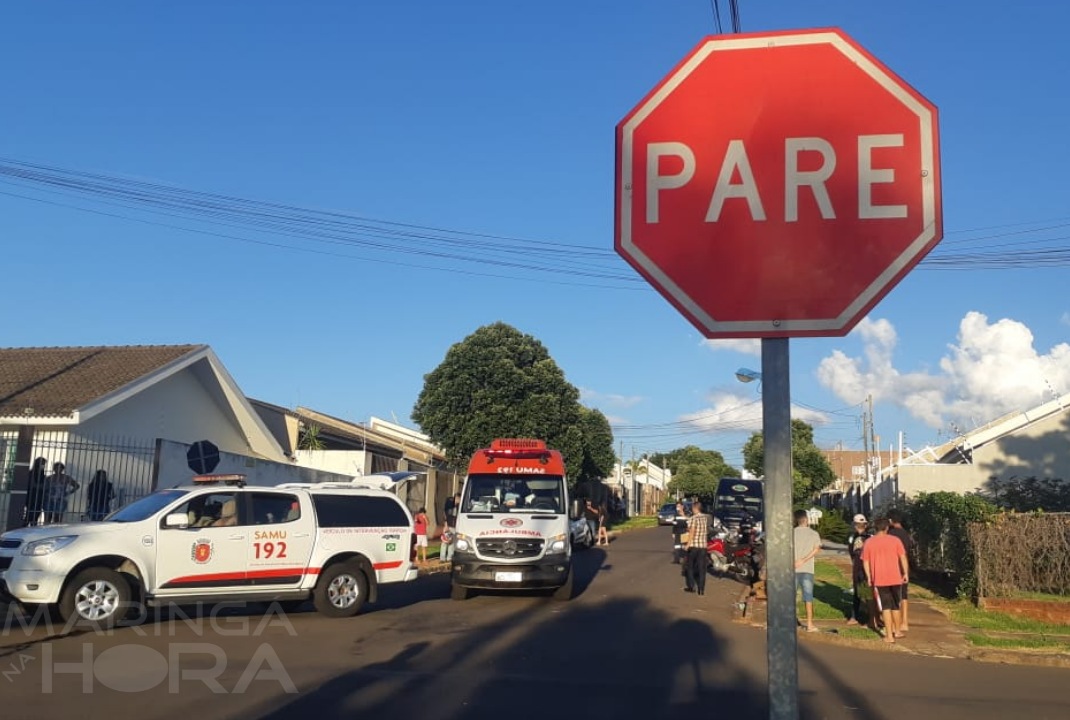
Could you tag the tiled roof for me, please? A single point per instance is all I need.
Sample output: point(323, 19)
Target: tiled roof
point(56, 381)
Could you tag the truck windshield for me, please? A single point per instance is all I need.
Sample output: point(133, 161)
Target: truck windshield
point(513, 493)
point(146, 507)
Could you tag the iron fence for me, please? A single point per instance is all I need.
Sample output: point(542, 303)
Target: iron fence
point(75, 478)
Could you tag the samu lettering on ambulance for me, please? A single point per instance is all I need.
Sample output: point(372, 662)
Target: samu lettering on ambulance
point(269, 535)
point(525, 533)
point(521, 470)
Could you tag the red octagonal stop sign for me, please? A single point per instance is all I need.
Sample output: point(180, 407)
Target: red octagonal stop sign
point(778, 184)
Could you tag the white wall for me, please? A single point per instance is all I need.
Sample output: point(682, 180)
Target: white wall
point(174, 469)
point(344, 462)
point(177, 408)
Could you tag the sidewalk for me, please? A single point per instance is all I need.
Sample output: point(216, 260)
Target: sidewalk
point(931, 634)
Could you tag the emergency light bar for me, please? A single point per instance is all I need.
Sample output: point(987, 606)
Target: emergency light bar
point(233, 479)
point(518, 448)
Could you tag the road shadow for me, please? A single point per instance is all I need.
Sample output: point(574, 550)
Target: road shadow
point(619, 658)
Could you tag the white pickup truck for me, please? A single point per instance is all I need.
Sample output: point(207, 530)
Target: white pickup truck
point(214, 541)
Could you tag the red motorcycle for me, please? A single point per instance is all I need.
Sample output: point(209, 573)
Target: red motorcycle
point(735, 555)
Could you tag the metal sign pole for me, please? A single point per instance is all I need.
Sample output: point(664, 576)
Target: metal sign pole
point(781, 638)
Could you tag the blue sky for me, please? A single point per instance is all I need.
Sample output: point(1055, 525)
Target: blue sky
point(498, 119)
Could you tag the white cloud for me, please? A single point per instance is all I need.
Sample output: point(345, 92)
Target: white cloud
point(747, 346)
point(991, 370)
point(734, 412)
point(609, 399)
point(1065, 319)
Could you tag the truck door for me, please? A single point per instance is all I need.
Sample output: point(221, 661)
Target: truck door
point(281, 538)
point(210, 554)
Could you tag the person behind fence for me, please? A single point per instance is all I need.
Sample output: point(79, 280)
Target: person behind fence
point(36, 491)
point(99, 494)
point(60, 487)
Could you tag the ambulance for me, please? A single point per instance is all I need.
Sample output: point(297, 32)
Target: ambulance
point(513, 523)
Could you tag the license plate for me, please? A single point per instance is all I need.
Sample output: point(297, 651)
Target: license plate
point(508, 577)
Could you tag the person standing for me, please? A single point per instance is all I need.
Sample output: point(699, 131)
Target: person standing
point(896, 529)
point(453, 507)
point(603, 531)
point(60, 487)
point(420, 528)
point(807, 546)
point(590, 512)
point(99, 494)
point(449, 533)
point(887, 570)
point(679, 527)
point(698, 534)
point(36, 491)
point(862, 593)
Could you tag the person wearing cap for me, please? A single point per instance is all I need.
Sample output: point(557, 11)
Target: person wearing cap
point(862, 593)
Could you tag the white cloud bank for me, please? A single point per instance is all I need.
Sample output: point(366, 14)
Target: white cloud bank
point(991, 370)
point(609, 399)
point(733, 412)
point(747, 346)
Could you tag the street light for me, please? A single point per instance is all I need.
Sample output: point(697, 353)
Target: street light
point(746, 375)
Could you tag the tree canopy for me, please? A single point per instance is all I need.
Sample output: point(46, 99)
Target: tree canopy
point(694, 471)
point(499, 382)
point(810, 469)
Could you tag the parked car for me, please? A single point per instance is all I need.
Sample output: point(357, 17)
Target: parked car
point(667, 514)
point(580, 532)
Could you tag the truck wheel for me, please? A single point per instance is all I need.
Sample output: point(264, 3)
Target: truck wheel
point(341, 590)
point(459, 592)
point(96, 597)
point(565, 591)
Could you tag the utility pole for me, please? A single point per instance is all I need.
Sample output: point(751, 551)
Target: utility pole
point(865, 460)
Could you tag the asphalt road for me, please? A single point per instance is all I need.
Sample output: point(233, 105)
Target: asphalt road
point(630, 645)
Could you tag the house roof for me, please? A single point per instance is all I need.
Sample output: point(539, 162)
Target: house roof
point(57, 381)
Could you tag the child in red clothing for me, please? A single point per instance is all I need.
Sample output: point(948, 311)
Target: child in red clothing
point(420, 523)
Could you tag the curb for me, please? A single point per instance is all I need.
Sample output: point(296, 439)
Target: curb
point(743, 609)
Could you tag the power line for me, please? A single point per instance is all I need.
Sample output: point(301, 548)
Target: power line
point(443, 249)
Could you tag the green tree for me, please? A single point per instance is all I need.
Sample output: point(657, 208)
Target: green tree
point(597, 438)
point(694, 471)
point(499, 382)
point(810, 469)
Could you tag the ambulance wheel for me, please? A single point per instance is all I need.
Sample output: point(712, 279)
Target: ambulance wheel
point(341, 590)
point(459, 592)
point(565, 591)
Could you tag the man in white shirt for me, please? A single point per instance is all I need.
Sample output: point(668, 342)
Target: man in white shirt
point(807, 545)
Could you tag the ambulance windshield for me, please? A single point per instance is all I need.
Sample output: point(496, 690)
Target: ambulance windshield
point(513, 493)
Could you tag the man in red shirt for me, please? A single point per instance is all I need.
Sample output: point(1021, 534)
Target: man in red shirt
point(887, 570)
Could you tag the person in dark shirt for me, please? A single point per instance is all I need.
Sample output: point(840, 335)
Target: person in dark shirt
point(590, 512)
point(895, 517)
point(862, 592)
point(679, 527)
point(36, 491)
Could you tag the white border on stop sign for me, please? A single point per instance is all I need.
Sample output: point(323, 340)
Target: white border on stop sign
point(883, 281)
